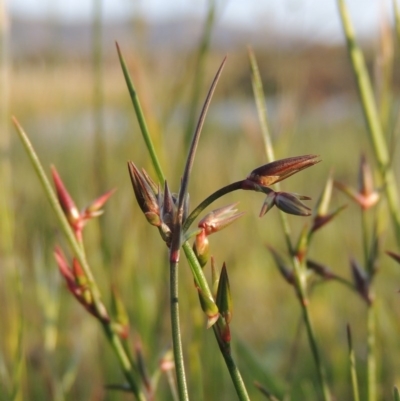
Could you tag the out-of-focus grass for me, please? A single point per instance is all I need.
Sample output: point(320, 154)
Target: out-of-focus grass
point(54, 106)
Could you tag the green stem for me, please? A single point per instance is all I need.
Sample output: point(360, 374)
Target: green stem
point(234, 372)
point(299, 270)
point(314, 348)
point(372, 118)
point(259, 97)
point(353, 370)
point(18, 368)
point(197, 271)
point(125, 363)
point(300, 274)
point(261, 105)
point(371, 360)
point(176, 333)
point(364, 229)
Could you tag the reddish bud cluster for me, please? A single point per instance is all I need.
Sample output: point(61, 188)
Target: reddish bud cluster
point(158, 207)
point(366, 196)
point(77, 284)
point(77, 219)
point(213, 222)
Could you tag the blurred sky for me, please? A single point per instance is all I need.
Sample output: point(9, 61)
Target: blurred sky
point(309, 18)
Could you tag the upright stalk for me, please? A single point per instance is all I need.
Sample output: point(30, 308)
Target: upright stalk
point(176, 332)
point(6, 215)
point(298, 269)
point(234, 372)
point(300, 286)
point(371, 329)
point(371, 360)
point(353, 370)
point(261, 105)
point(129, 370)
point(372, 119)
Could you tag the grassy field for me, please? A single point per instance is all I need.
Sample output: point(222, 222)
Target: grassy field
point(52, 349)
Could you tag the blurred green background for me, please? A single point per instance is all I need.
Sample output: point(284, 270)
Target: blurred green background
point(64, 83)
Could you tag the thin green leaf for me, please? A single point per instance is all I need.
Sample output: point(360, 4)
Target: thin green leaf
point(259, 97)
point(195, 139)
point(198, 73)
point(141, 118)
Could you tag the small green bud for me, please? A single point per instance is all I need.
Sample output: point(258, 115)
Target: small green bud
point(224, 298)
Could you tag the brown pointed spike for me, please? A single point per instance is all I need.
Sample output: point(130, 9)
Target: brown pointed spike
point(279, 170)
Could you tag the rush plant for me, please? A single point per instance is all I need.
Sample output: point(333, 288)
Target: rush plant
point(170, 213)
point(185, 229)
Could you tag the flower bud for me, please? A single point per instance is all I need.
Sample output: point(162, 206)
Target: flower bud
point(94, 209)
point(394, 256)
point(201, 248)
point(66, 202)
point(361, 281)
point(268, 204)
point(224, 298)
point(286, 273)
point(209, 307)
point(278, 170)
point(219, 219)
point(320, 269)
point(145, 195)
point(290, 203)
point(168, 207)
point(366, 196)
point(223, 334)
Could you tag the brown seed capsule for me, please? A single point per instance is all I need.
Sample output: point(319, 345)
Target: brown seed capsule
point(278, 170)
